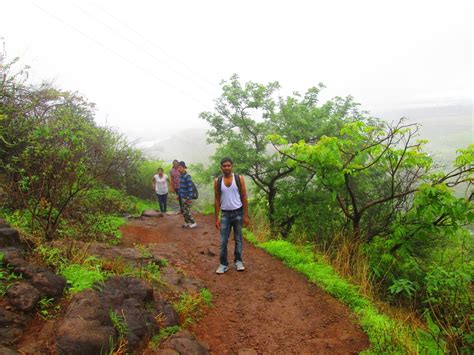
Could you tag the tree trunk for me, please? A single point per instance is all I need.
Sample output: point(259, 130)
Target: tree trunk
point(271, 208)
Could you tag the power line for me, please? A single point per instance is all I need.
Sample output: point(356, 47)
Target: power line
point(119, 55)
point(87, 13)
point(123, 23)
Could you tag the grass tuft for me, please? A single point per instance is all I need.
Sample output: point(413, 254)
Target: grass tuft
point(385, 334)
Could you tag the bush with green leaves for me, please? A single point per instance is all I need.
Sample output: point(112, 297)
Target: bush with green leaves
point(82, 277)
point(7, 276)
point(55, 152)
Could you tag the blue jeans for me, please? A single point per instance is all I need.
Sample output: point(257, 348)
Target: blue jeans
point(231, 219)
point(162, 201)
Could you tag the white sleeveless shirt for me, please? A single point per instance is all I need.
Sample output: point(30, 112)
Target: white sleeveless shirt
point(230, 197)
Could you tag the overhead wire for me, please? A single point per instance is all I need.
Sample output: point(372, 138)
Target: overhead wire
point(123, 23)
point(150, 54)
point(144, 70)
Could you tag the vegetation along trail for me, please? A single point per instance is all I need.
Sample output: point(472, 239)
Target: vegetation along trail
point(268, 308)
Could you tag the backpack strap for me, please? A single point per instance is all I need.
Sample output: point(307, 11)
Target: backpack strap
point(237, 182)
point(219, 184)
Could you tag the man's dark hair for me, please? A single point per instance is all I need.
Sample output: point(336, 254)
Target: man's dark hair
point(227, 159)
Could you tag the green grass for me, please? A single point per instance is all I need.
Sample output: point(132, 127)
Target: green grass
point(82, 277)
point(7, 276)
point(385, 334)
point(143, 205)
point(190, 306)
point(162, 335)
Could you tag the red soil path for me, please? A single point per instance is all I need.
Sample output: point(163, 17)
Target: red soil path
point(267, 309)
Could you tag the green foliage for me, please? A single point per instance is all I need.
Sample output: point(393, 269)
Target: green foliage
point(149, 272)
point(206, 296)
point(385, 334)
point(144, 250)
point(119, 322)
point(139, 183)
point(18, 219)
point(106, 227)
point(106, 200)
point(7, 276)
point(47, 309)
point(53, 257)
point(163, 335)
point(81, 277)
point(142, 205)
point(190, 306)
point(55, 153)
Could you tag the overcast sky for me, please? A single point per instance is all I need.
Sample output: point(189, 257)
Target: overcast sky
point(152, 66)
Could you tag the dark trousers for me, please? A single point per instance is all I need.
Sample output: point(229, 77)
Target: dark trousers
point(180, 200)
point(162, 201)
point(231, 220)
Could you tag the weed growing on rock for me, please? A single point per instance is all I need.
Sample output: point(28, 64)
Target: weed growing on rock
point(47, 309)
point(144, 250)
point(7, 276)
point(53, 257)
point(163, 335)
point(82, 277)
point(190, 306)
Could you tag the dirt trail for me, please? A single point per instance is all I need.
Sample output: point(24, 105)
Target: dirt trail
point(268, 307)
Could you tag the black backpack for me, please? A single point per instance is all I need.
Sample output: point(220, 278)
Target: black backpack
point(237, 181)
point(195, 191)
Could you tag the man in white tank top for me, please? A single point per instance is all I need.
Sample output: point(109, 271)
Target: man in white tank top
point(231, 202)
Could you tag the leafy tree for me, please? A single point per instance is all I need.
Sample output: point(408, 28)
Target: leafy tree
point(52, 150)
point(245, 117)
point(241, 124)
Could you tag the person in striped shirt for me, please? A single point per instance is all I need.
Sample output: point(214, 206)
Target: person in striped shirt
point(186, 194)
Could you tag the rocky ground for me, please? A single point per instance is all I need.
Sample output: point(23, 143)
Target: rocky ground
point(267, 309)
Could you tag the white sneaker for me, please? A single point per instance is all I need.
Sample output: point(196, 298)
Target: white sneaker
point(221, 269)
point(192, 225)
point(239, 266)
point(186, 225)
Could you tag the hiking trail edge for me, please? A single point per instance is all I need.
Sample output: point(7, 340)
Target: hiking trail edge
point(266, 309)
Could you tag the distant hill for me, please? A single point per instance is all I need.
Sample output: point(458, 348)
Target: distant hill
point(446, 127)
point(189, 145)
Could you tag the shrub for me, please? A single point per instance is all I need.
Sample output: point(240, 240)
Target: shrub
point(81, 277)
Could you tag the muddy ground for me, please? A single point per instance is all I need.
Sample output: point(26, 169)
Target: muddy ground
point(267, 309)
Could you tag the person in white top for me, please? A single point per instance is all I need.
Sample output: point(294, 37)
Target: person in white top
point(230, 199)
point(160, 184)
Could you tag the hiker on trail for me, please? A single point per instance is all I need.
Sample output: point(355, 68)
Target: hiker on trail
point(160, 184)
point(175, 177)
point(185, 192)
point(230, 198)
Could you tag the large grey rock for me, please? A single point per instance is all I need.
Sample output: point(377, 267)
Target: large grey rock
point(9, 237)
point(11, 326)
point(126, 297)
point(22, 296)
point(48, 283)
point(184, 342)
point(180, 282)
point(169, 313)
point(14, 258)
point(4, 224)
point(151, 213)
point(126, 287)
point(76, 336)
